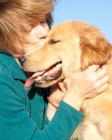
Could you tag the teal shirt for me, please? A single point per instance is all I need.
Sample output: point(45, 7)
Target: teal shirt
point(23, 112)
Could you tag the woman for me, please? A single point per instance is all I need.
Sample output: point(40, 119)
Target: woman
point(24, 114)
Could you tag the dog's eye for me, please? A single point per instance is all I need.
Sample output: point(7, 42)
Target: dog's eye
point(53, 41)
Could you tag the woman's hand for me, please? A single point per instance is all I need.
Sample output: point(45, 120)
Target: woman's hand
point(83, 85)
point(86, 84)
point(57, 93)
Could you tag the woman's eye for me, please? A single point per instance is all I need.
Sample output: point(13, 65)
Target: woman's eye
point(43, 21)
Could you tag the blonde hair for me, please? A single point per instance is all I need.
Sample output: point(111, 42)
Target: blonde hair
point(15, 15)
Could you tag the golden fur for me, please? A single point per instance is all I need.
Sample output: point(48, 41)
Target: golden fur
point(78, 45)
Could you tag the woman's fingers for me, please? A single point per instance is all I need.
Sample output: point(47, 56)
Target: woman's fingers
point(103, 88)
point(61, 85)
point(102, 72)
point(92, 69)
point(102, 84)
point(95, 72)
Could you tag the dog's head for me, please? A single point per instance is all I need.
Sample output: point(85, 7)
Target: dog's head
point(69, 47)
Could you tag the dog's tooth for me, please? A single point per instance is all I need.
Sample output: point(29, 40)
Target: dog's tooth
point(59, 66)
point(55, 68)
point(50, 71)
point(38, 78)
point(46, 73)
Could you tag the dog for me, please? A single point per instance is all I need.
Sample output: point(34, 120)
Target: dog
point(70, 46)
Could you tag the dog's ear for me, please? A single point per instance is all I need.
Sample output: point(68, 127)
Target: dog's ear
point(95, 49)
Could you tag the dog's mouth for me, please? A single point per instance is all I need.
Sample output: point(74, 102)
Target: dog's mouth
point(46, 76)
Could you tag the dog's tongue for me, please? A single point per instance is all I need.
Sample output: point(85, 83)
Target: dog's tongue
point(30, 81)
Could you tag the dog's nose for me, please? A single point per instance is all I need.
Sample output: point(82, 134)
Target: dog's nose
point(22, 59)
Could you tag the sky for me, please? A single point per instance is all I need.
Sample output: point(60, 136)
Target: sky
point(94, 12)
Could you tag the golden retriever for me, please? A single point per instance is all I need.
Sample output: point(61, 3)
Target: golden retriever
point(70, 46)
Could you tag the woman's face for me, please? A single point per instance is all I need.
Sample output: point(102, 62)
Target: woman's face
point(35, 37)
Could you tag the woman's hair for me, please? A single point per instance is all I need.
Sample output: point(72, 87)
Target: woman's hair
point(17, 17)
